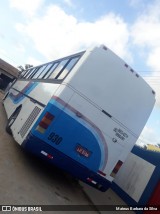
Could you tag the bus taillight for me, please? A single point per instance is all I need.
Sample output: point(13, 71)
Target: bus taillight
point(116, 168)
point(45, 122)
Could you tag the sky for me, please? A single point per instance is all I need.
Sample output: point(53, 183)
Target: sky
point(38, 31)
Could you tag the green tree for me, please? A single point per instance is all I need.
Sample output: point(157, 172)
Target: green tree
point(26, 66)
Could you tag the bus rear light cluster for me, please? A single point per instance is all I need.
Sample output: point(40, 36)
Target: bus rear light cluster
point(91, 181)
point(46, 154)
point(45, 122)
point(116, 168)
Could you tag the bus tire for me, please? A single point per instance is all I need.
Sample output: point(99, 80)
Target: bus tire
point(12, 119)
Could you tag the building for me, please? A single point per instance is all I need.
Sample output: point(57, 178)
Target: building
point(7, 74)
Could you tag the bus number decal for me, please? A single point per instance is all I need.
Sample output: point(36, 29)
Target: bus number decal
point(55, 138)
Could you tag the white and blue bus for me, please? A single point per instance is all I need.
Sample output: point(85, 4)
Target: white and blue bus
point(83, 113)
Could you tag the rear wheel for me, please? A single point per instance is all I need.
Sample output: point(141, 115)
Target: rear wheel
point(12, 119)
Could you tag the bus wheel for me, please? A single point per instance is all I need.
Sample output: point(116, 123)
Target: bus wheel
point(12, 119)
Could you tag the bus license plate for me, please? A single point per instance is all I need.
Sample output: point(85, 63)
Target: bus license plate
point(83, 151)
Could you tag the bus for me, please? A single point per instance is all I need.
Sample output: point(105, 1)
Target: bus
point(82, 113)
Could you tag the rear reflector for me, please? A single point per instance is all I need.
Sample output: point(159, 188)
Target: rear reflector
point(46, 154)
point(45, 122)
point(43, 153)
point(116, 168)
point(91, 181)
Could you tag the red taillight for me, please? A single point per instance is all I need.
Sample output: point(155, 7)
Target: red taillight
point(45, 122)
point(43, 125)
point(116, 168)
point(49, 116)
point(49, 156)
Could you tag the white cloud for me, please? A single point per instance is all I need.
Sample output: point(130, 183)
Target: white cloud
point(146, 35)
point(153, 57)
point(158, 122)
point(57, 33)
point(148, 136)
point(28, 7)
point(33, 61)
point(136, 3)
point(69, 2)
point(4, 55)
point(20, 48)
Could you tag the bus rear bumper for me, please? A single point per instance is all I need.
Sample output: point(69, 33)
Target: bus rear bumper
point(48, 153)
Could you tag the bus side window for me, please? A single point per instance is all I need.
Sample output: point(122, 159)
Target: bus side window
point(67, 68)
point(44, 72)
point(31, 73)
point(38, 72)
point(49, 72)
point(58, 69)
point(26, 72)
point(21, 75)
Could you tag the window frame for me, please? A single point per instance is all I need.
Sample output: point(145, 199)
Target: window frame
point(29, 74)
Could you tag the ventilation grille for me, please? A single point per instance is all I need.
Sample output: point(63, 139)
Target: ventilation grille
point(29, 121)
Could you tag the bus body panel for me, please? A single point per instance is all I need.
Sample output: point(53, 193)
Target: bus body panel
point(114, 87)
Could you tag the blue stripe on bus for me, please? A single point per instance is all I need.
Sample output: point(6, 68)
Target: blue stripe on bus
point(25, 91)
point(74, 131)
